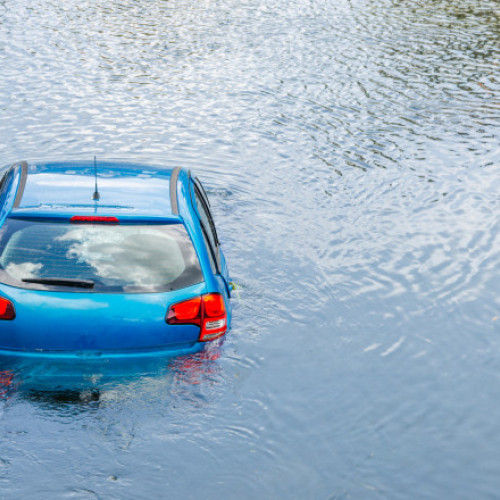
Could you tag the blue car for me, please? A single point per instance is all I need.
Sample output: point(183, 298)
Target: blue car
point(108, 259)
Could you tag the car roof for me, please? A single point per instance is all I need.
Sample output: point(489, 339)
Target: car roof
point(67, 188)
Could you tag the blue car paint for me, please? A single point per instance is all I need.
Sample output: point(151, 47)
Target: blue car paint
point(137, 320)
point(75, 323)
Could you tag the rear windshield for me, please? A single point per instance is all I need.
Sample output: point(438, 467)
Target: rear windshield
point(97, 257)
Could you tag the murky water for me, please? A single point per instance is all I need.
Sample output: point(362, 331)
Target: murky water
point(351, 149)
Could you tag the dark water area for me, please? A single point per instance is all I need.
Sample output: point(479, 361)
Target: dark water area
point(351, 150)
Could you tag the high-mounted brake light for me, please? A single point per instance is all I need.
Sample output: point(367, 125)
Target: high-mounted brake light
point(7, 310)
point(94, 219)
point(206, 311)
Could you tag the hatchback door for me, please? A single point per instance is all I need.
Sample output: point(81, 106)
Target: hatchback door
point(90, 285)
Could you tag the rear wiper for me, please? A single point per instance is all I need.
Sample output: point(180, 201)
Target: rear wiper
point(61, 282)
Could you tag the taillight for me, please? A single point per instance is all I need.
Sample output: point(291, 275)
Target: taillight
point(187, 312)
point(93, 219)
point(206, 311)
point(7, 310)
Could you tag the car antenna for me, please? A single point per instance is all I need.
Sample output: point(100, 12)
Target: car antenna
point(96, 196)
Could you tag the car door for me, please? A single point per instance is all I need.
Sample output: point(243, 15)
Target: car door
point(218, 262)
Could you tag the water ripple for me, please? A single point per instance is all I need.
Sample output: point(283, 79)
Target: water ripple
point(350, 151)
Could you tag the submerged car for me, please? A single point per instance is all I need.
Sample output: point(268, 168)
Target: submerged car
point(110, 259)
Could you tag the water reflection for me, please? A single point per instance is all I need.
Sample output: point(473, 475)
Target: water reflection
point(7, 386)
point(94, 380)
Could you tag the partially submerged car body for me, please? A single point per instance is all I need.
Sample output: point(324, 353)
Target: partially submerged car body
point(115, 260)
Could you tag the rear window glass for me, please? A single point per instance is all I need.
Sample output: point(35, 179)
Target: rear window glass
point(97, 257)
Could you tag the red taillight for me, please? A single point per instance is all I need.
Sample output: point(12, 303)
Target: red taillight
point(7, 310)
point(214, 324)
point(93, 219)
point(214, 305)
point(187, 312)
point(207, 311)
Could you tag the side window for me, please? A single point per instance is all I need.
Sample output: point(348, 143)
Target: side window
point(204, 199)
point(213, 265)
point(5, 176)
point(199, 185)
point(207, 224)
point(4, 173)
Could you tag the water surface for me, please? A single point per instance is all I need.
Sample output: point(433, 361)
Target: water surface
point(351, 151)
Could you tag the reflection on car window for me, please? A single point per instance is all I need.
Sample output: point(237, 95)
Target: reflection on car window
point(129, 258)
point(207, 223)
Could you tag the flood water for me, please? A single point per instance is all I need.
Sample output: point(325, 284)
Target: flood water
point(351, 151)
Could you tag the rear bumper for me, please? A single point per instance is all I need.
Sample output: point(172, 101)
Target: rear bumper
point(91, 370)
point(171, 350)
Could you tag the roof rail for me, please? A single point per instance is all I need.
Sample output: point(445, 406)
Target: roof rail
point(173, 190)
point(22, 182)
